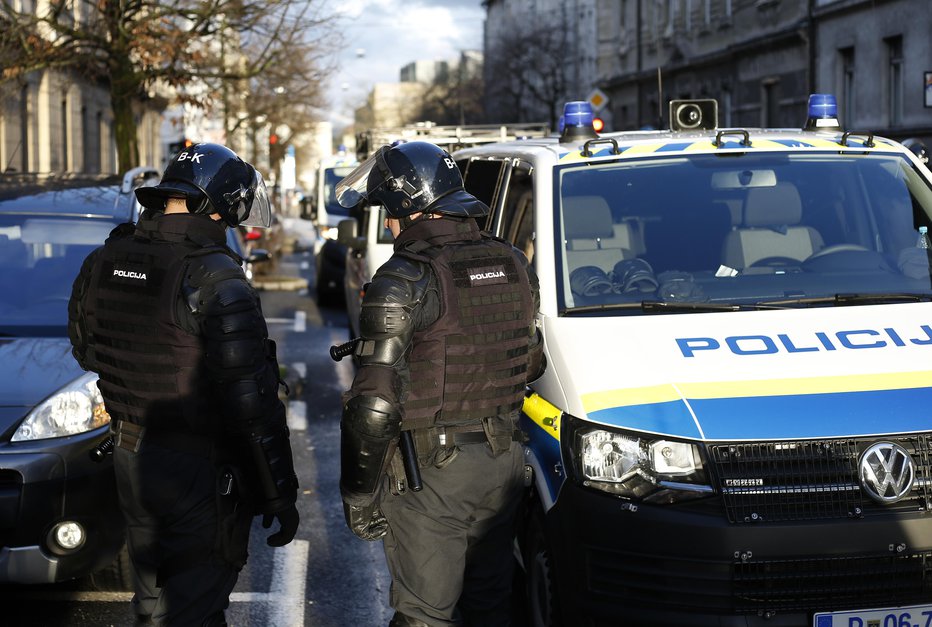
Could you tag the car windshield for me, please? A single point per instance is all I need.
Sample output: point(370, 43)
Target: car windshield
point(332, 176)
point(748, 229)
point(40, 256)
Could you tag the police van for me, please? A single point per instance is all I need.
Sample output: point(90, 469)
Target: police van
point(322, 208)
point(735, 425)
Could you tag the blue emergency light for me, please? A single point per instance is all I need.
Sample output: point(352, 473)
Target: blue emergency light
point(822, 113)
point(576, 121)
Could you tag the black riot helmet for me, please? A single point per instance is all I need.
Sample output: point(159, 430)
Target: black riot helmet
point(212, 179)
point(411, 177)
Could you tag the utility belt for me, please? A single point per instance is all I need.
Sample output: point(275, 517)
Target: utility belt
point(438, 445)
point(496, 431)
point(130, 436)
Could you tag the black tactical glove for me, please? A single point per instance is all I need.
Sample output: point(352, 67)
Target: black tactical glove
point(288, 526)
point(366, 521)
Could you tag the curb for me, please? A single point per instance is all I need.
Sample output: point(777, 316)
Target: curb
point(279, 282)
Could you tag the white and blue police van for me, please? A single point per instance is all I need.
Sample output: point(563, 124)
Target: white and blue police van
point(735, 424)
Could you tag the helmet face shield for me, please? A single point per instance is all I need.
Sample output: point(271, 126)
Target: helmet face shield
point(252, 207)
point(352, 189)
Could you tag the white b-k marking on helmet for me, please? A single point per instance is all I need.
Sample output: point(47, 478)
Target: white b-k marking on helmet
point(450, 163)
point(196, 157)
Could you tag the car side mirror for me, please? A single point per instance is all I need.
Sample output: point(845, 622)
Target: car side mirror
point(348, 234)
point(258, 255)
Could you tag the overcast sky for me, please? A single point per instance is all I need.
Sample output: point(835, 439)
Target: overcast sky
point(389, 34)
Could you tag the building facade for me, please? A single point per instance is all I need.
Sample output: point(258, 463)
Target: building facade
point(56, 122)
point(760, 59)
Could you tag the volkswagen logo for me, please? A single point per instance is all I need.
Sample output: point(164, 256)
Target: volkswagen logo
point(887, 472)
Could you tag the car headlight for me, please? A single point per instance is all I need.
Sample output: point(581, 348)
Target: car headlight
point(637, 466)
point(76, 408)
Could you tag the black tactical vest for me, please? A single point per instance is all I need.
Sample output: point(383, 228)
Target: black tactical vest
point(472, 362)
point(151, 369)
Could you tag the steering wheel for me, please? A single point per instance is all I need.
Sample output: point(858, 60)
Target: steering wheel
point(775, 261)
point(838, 248)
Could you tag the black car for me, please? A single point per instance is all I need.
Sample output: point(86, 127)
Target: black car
point(58, 508)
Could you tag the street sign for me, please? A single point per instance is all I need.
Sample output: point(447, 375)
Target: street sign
point(597, 99)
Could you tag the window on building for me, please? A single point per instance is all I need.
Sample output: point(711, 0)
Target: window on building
point(769, 103)
point(726, 107)
point(895, 79)
point(688, 15)
point(846, 56)
point(728, 10)
point(707, 11)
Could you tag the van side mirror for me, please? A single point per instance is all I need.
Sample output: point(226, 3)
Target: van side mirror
point(348, 234)
point(308, 208)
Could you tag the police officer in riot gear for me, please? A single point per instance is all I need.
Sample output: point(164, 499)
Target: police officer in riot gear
point(448, 343)
point(164, 314)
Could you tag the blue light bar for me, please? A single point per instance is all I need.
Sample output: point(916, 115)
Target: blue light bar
point(822, 114)
point(822, 106)
point(577, 113)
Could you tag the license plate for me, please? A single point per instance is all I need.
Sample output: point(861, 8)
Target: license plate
point(911, 616)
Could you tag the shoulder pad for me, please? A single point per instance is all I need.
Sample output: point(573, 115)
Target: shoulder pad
point(402, 267)
point(207, 265)
point(122, 231)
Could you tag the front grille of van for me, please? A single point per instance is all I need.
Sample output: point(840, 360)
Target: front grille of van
point(810, 479)
point(759, 586)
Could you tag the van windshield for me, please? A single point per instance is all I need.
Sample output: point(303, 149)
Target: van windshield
point(743, 229)
point(332, 176)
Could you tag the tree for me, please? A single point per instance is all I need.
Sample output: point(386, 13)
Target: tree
point(527, 74)
point(454, 97)
point(135, 45)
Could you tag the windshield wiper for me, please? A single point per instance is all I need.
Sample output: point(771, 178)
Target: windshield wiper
point(652, 306)
point(855, 299)
point(659, 306)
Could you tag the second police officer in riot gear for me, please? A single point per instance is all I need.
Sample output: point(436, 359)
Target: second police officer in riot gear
point(448, 343)
point(164, 314)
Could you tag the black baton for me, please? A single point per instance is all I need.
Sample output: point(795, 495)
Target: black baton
point(409, 457)
point(100, 452)
point(340, 351)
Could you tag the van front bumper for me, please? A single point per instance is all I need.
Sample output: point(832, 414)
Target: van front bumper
point(687, 565)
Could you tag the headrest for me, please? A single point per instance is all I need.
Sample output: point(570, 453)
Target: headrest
point(769, 206)
point(587, 217)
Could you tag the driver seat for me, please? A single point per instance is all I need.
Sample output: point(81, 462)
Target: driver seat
point(771, 228)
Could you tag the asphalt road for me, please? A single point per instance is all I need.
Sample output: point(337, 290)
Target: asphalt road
point(326, 577)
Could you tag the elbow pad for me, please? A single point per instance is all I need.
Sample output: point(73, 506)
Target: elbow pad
point(368, 437)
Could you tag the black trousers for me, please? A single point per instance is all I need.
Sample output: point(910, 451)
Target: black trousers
point(169, 501)
point(449, 546)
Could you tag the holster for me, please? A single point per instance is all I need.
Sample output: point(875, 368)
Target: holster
point(235, 511)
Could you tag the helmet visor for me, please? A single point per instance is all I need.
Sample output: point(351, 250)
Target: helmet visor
point(254, 208)
point(351, 189)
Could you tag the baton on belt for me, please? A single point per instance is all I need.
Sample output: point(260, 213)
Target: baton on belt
point(406, 440)
point(100, 452)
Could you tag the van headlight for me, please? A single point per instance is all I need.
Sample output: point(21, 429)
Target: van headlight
point(75, 408)
point(639, 466)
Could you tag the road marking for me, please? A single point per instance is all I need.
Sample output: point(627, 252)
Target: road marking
point(305, 265)
point(301, 368)
point(284, 601)
point(299, 322)
point(297, 415)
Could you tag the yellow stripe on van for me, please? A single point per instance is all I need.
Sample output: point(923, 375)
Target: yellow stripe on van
point(594, 401)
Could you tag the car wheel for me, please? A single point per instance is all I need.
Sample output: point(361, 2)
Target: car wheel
point(117, 577)
point(540, 588)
